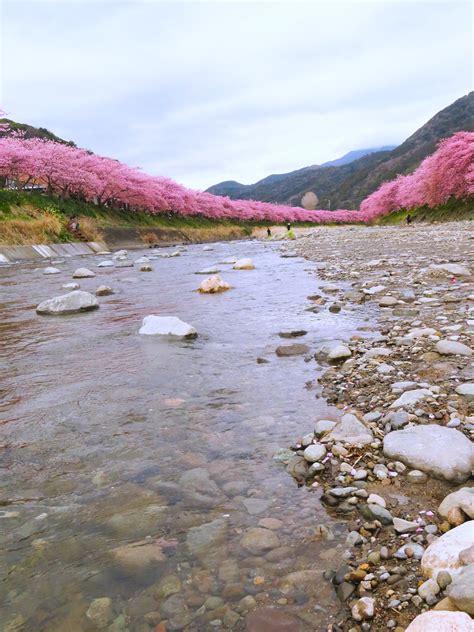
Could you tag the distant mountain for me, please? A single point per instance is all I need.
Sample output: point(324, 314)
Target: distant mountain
point(346, 183)
point(355, 155)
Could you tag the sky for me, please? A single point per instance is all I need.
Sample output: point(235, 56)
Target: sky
point(204, 92)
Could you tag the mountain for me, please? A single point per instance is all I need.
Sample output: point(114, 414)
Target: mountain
point(33, 132)
point(346, 184)
point(355, 155)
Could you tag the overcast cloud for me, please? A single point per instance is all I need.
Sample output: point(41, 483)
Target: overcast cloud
point(210, 91)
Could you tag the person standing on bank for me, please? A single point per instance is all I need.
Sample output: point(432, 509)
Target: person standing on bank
point(288, 226)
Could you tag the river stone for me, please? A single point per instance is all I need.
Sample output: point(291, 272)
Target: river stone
point(71, 286)
point(441, 621)
point(323, 425)
point(176, 610)
point(83, 273)
point(168, 585)
point(339, 352)
point(244, 264)
point(105, 264)
point(417, 550)
point(258, 540)
point(404, 526)
point(51, 270)
point(166, 326)
point(199, 489)
point(256, 506)
point(363, 609)
point(461, 590)
point(103, 290)
point(349, 430)
point(291, 350)
point(444, 453)
point(387, 301)
point(124, 264)
point(453, 269)
point(208, 271)
point(268, 619)
point(428, 589)
point(213, 285)
point(458, 503)
point(450, 347)
point(207, 537)
point(373, 511)
point(71, 303)
point(420, 332)
point(443, 553)
point(410, 398)
point(466, 390)
point(100, 612)
point(314, 452)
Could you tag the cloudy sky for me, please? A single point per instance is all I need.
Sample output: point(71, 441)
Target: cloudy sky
point(210, 91)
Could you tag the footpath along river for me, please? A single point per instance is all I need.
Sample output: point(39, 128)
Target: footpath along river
point(110, 439)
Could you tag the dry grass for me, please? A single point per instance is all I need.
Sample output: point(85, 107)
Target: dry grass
point(88, 227)
point(149, 238)
point(35, 231)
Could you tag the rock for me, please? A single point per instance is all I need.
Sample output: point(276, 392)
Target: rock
point(83, 273)
point(404, 526)
point(244, 264)
point(456, 504)
point(213, 285)
point(350, 430)
point(291, 350)
point(410, 398)
point(449, 269)
point(376, 512)
point(342, 492)
point(387, 301)
point(105, 264)
point(466, 556)
point(298, 467)
point(377, 352)
point(100, 612)
point(444, 453)
point(417, 476)
point(199, 489)
point(466, 390)
point(103, 290)
point(166, 326)
point(421, 332)
point(461, 590)
point(444, 579)
point(363, 609)
point(284, 455)
point(314, 452)
point(124, 264)
point(268, 619)
point(414, 550)
point(441, 621)
point(323, 425)
point(377, 500)
point(339, 352)
point(443, 553)
point(120, 253)
point(450, 347)
point(270, 523)
point(256, 506)
point(138, 555)
point(73, 302)
point(51, 270)
point(258, 540)
point(176, 610)
point(297, 333)
point(428, 589)
point(71, 286)
point(168, 585)
point(146, 268)
point(207, 537)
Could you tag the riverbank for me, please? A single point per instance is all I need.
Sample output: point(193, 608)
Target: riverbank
point(403, 442)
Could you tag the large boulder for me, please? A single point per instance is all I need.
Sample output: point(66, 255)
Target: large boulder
point(443, 553)
point(83, 273)
point(258, 540)
point(461, 590)
point(444, 453)
point(213, 285)
point(466, 390)
point(295, 349)
point(441, 621)
point(166, 326)
point(410, 398)
point(448, 269)
point(349, 430)
point(71, 303)
point(51, 270)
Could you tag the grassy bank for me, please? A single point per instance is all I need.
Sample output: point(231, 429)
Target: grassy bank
point(453, 210)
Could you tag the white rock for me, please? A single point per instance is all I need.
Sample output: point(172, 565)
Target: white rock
point(387, 301)
point(450, 269)
point(466, 390)
point(244, 264)
point(450, 347)
point(376, 500)
point(71, 286)
point(350, 430)
point(103, 290)
point(374, 290)
point(404, 526)
point(83, 273)
point(120, 253)
point(314, 452)
point(409, 398)
point(166, 326)
point(208, 248)
point(443, 553)
point(106, 264)
point(421, 332)
point(323, 425)
point(213, 285)
point(363, 609)
point(462, 500)
point(441, 621)
point(377, 352)
point(141, 260)
point(444, 453)
point(208, 271)
point(76, 301)
point(461, 590)
point(51, 270)
point(339, 352)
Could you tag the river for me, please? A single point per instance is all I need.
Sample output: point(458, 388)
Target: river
point(111, 438)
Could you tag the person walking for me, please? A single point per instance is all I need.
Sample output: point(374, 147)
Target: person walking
point(288, 226)
point(269, 232)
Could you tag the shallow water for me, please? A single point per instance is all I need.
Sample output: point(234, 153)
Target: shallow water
point(99, 424)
